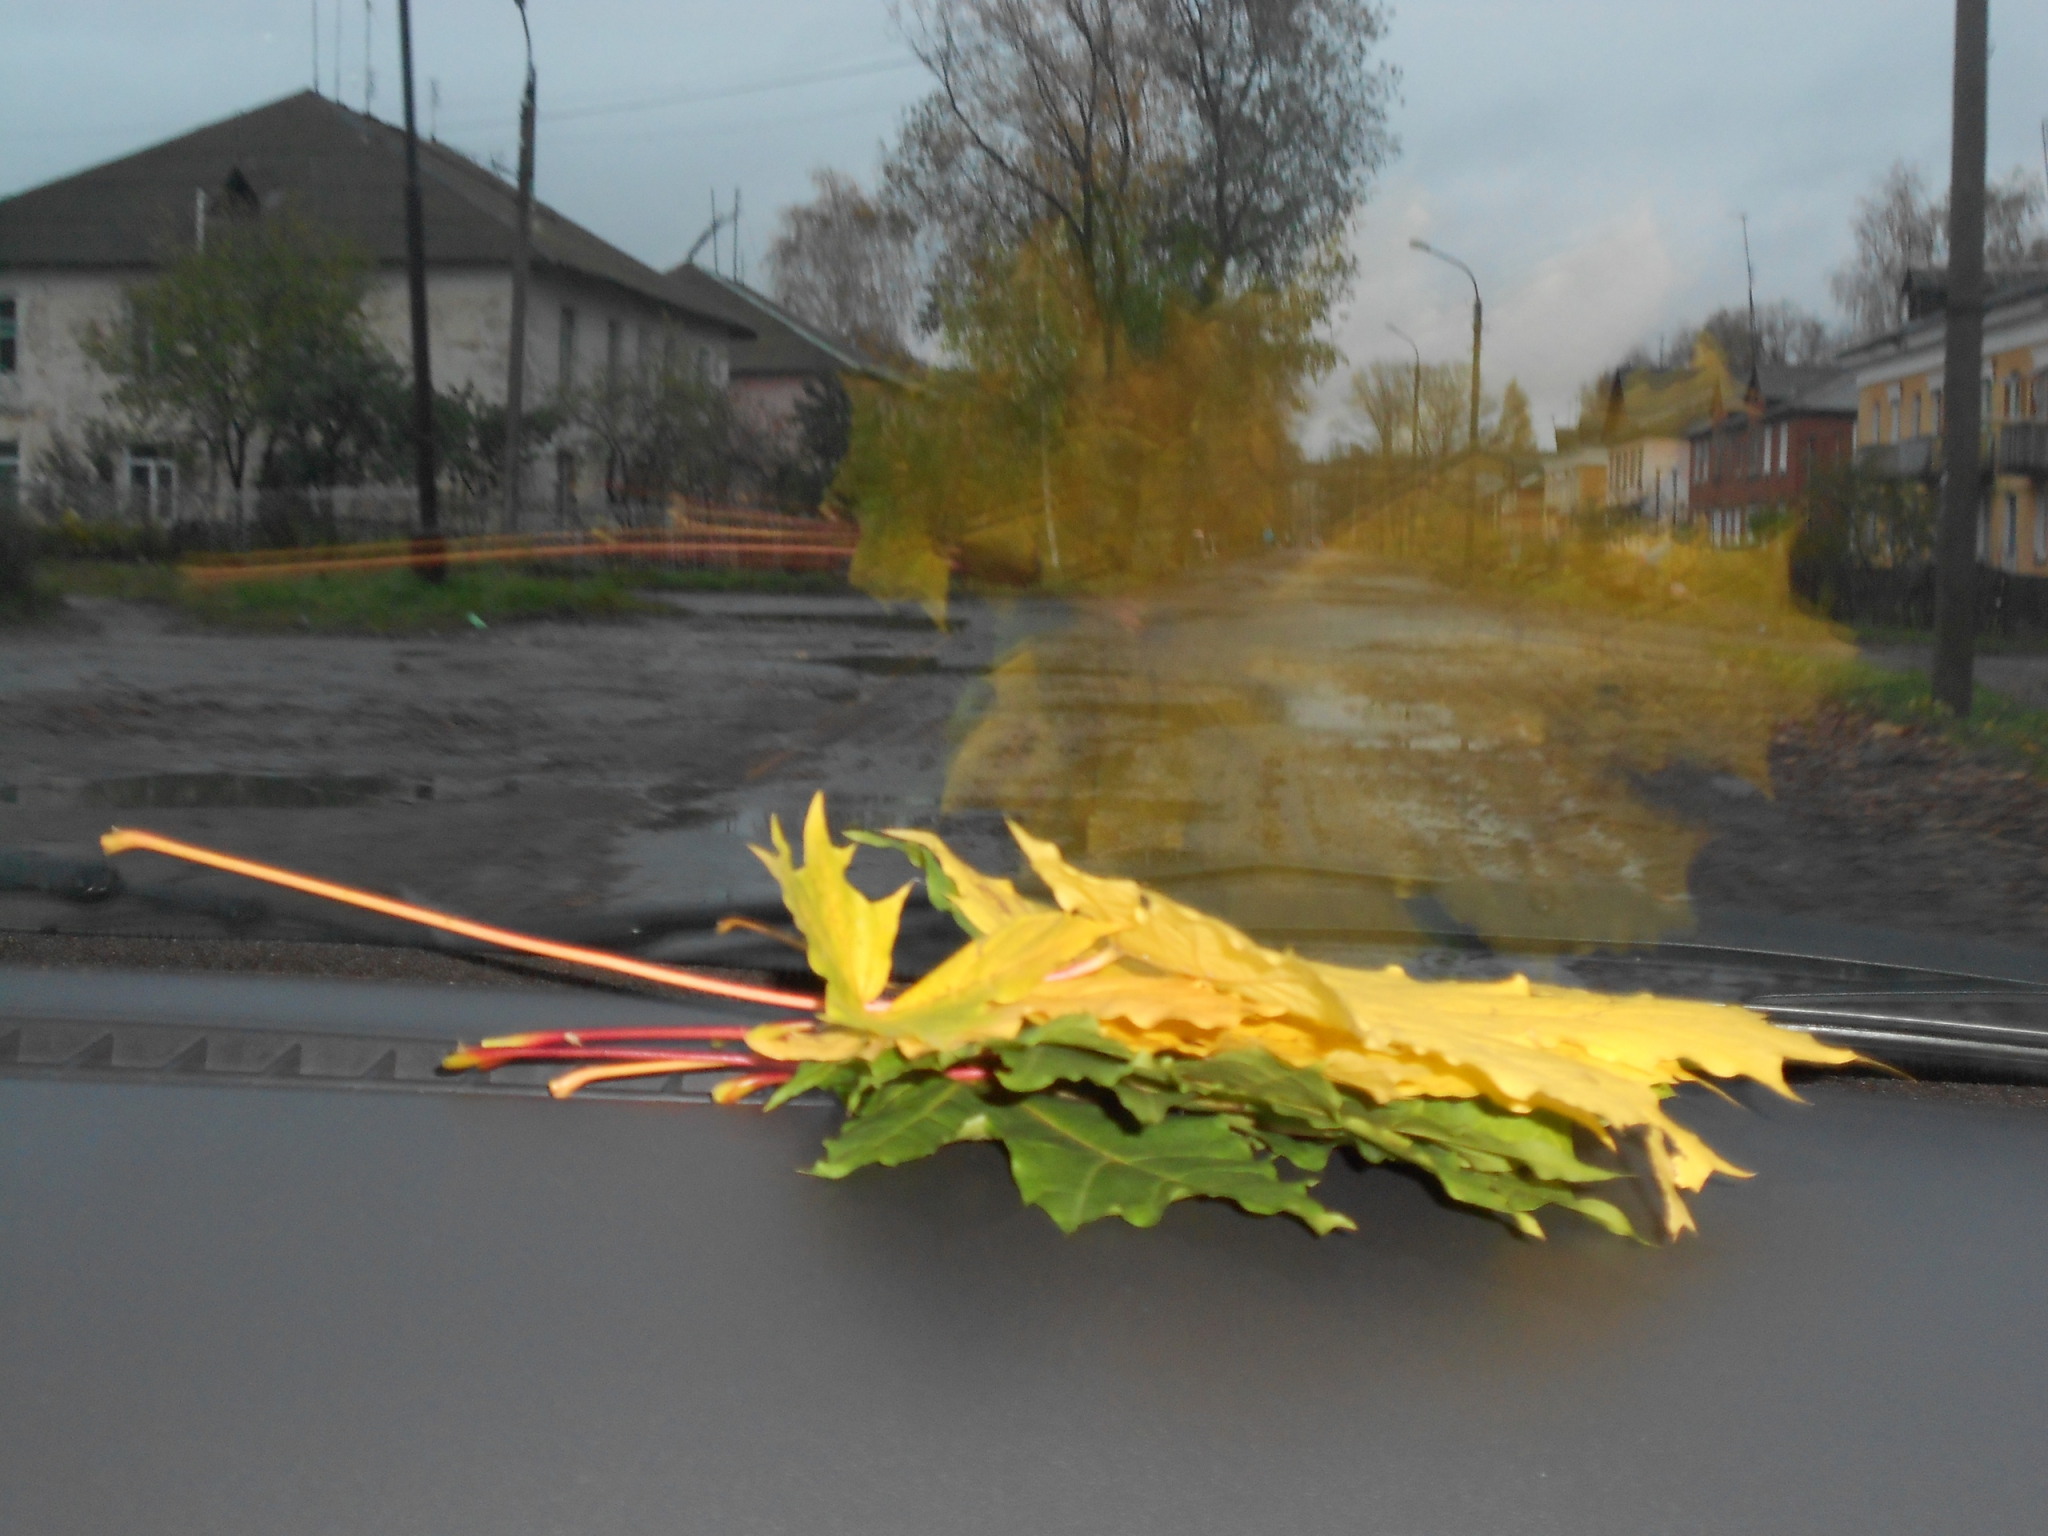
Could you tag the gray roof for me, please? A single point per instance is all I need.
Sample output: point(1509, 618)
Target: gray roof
point(1791, 389)
point(332, 164)
point(2006, 288)
point(1807, 390)
point(782, 343)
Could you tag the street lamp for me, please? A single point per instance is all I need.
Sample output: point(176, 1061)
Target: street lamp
point(1415, 433)
point(1430, 250)
point(522, 236)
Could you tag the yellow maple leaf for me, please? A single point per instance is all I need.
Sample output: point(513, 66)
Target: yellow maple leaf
point(851, 940)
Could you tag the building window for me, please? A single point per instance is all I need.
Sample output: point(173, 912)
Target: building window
point(565, 366)
point(1919, 426)
point(614, 345)
point(2012, 531)
point(1936, 393)
point(152, 482)
point(2015, 397)
point(9, 355)
point(10, 476)
point(2040, 530)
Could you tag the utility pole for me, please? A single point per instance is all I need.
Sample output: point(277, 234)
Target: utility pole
point(1472, 436)
point(427, 546)
point(522, 237)
point(1955, 549)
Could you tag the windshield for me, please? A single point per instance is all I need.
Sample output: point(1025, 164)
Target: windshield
point(1455, 481)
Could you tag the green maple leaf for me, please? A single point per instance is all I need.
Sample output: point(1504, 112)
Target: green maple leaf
point(905, 1120)
point(1512, 1196)
point(1541, 1143)
point(938, 885)
point(1078, 1163)
point(1028, 1068)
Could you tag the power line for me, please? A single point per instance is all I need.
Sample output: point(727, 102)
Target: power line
point(690, 98)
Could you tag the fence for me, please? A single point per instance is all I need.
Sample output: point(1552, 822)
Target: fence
point(1903, 596)
point(368, 528)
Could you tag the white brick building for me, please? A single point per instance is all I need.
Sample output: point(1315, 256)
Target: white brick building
point(70, 249)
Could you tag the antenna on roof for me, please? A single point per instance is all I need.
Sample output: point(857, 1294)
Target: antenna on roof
point(369, 74)
point(715, 222)
point(1754, 346)
point(738, 272)
point(338, 8)
point(316, 47)
point(434, 110)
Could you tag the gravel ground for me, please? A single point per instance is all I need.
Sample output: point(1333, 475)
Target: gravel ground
point(1871, 823)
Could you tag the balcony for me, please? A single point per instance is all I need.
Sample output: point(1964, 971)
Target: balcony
point(1918, 458)
point(2023, 449)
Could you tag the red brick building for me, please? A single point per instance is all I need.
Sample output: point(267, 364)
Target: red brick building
point(1759, 456)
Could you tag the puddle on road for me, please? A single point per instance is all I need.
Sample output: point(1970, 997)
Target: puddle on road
point(259, 791)
point(890, 666)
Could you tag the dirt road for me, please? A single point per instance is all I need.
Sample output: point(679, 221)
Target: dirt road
point(1307, 745)
point(532, 772)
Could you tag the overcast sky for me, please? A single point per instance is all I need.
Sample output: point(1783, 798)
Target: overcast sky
point(1589, 158)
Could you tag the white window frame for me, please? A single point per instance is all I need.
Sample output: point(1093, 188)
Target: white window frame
point(2012, 531)
point(159, 482)
point(10, 335)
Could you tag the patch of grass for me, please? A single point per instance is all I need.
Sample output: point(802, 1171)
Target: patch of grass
point(137, 581)
point(399, 602)
point(389, 602)
point(1997, 725)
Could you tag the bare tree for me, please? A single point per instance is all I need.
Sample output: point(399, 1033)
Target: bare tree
point(1383, 394)
point(847, 263)
point(1901, 225)
point(1189, 146)
point(1280, 115)
point(1785, 333)
point(1038, 114)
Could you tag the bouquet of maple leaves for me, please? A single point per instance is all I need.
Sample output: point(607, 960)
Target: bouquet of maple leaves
point(1129, 1051)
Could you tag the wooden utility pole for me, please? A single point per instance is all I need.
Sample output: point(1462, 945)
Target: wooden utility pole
point(515, 368)
point(1955, 547)
point(427, 545)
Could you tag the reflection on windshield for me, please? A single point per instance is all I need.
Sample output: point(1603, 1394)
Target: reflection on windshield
point(1342, 714)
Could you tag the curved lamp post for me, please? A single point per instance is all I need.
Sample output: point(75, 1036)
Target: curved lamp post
point(1427, 249)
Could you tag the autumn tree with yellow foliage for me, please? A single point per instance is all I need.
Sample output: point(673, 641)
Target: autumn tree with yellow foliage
point(1133, 212)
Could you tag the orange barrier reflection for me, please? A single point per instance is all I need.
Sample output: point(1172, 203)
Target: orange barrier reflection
point(740, 546)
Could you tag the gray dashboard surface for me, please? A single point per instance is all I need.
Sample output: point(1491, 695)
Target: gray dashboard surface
point(239, 1310)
